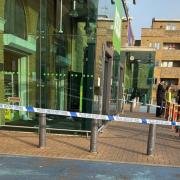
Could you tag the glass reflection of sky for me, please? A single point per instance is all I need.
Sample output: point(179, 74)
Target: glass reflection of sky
point(106, 8)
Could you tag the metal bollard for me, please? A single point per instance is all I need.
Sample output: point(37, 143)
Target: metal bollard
point(148, 108)
point(122, 108)
point(93, 140)
point(151, 139)
point(42, 130)
point(131, 106)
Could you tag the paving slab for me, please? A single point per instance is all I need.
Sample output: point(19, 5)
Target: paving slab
point(119, 142)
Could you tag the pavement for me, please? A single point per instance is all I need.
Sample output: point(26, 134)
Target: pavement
point(22, 167)
point(119, 142)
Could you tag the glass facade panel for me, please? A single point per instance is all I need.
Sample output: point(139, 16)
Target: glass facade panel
point(46, 50)
point(139, 72)
point(14, 15)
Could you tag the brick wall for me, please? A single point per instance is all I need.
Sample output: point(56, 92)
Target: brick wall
point(104, 34)
point(162, 24)
point(159, 34)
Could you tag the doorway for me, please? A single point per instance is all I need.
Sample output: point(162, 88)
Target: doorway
point(107, 83)
point(16, 79)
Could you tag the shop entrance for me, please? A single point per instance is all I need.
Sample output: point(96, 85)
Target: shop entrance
point(107, 83)
point(16, 79)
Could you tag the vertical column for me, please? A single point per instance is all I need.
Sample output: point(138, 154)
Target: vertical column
point(2, 22)
point(88, 82)
point(43, 54)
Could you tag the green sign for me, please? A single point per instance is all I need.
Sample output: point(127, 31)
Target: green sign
point(117, 26)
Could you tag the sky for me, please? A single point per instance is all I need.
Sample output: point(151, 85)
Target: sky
point(143, 12)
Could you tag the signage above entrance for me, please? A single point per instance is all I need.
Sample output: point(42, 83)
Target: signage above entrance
point(117, 26)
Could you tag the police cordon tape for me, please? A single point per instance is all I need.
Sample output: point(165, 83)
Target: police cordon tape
point(89, 116)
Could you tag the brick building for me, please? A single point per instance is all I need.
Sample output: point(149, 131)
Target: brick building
point(137, 66)
point(105, 50)
point(47, 56)
point(164, 36)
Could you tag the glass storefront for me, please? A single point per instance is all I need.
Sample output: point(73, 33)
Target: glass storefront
point(47, 54)
point(138, 79)
point(47, 60)
point(132, 77)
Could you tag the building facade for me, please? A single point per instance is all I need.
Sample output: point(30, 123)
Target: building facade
point(137, 66)
point(47, 54)
point(164, 36)
point(49, 58)
point(112, 76)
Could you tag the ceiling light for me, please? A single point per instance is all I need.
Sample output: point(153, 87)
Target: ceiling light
point(74, 12)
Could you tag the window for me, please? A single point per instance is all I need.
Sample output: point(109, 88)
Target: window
point(155, 45)
point(171, 46)
point(166, 64)
point(173, 81)
point(15, 18)
point(176, 64)
point(170, 63)
point(157, 63)
point(170, 27)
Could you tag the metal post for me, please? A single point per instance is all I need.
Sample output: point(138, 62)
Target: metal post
point(148, 108)
point(122, 105)
point(42, 130)
point(144, 100)
point(93, 140)
point(131, 106)
point(151, 139)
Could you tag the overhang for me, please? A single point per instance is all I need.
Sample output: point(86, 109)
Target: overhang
point(12, 41)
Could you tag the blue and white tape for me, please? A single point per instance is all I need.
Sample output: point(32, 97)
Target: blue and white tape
point(89, 116)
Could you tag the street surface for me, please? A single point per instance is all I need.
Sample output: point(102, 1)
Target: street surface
point(23, 167)
point(119, 142)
